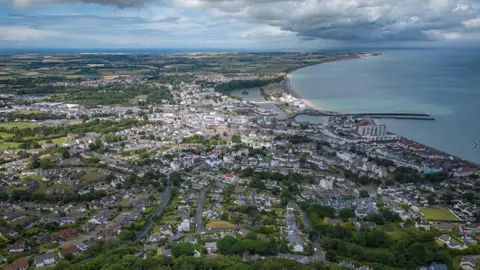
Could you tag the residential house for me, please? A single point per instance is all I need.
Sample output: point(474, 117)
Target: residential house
point(468, 263)
point(44, 260)
point(211, 247)
point(451, 242)
point(17, 247)
point(164, 251)
point(436, 266)
point(17, 265)
point(422, 225)
point(67, 233)
point(184, 226)
point(72, 250)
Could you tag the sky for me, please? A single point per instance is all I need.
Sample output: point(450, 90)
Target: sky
point(238, 24)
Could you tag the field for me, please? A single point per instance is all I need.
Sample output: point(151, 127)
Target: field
point(219, 224)
point(57, 141)
point(6, 135)
point(94, 176)
point(18, 124)
point(438, 214)
point(7, 145)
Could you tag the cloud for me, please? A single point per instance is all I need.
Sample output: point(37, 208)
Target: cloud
point(266, 31)
point(472, 23)
point(21, 33)
point(30, 4)
point(361, 20)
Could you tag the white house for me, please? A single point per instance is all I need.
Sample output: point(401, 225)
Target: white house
point(44, 260)
point(184, 226)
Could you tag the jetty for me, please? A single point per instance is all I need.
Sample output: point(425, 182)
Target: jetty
point(388, 115)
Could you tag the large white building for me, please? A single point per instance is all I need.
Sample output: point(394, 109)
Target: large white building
point(372, 132)
point(369, 128)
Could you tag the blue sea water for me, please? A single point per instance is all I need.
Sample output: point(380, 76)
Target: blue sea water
point(443, 82)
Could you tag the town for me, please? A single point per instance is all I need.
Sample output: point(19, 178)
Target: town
point(177, 166)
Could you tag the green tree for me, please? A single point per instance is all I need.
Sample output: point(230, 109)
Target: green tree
point(183, 249)
point(331, 255)
point(364, 194)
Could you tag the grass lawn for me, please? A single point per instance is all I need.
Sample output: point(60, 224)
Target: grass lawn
point(27, 112)
point(8, 145)
point(62, 187)
point(18, 124)
point(57, 141)
point(22, 188)
point(31, 177)
point(438, 214)
point(219, 224)
point(33, 230)
point(94, 176)
point(169, 221)
point(6, 135)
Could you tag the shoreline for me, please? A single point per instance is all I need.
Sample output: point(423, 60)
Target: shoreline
point(287, 82)
point(288, 88)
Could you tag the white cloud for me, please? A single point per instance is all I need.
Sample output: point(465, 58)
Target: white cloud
point(21, 33)
point(266, 31)
point(472, 23)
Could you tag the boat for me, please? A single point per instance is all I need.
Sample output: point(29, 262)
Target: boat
point(245, 92)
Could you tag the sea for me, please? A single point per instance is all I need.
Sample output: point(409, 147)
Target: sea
point(442, 82)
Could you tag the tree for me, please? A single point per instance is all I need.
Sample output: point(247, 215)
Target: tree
point(225, 245)
point(364, 194)
point(236, 139)
point(331, 255)
point(127, 235)
point(183, 249)
point(65, 153)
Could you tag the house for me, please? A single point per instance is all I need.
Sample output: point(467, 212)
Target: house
point(164, 251)
point(67, 233)
point(17, 265)
point(72, 250)
point(422, 225)
point(366, 224)
point(451, 242)
point(191, 239)
point(17, 247)
point(468, 263)
point(184, 226)
point(44, 260)
point(436, 266)
point(211, 247)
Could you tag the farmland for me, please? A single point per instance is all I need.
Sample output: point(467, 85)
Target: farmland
point(219, 224)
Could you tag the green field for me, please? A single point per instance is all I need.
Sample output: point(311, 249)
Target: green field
point(31, 177)
point(438, 214)
point(57, 141)
point(94, 176)
point(6, 145)
point(10, 125)
point(219, 224)
point(6, 135)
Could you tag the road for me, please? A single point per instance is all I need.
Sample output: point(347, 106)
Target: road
point(198, 217)
point(318, 254)
point(157, 211)
point(254, 193)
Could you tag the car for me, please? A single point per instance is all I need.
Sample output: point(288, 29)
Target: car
point(315, 249)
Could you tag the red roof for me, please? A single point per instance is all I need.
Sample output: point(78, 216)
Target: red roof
point(228, 175)
point(364, 123)
point(68, 232)
point(19, 264)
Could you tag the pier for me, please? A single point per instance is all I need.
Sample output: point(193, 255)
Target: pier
point(387, 115)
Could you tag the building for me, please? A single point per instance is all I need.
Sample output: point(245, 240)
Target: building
point(468, 263)
point(370, 128)
point(17, 247)
point(451, 242)
point(184, 226)
point(17, 265)
point(72, 250)
point(67, 233)
point(44, 260)
point(422, 225)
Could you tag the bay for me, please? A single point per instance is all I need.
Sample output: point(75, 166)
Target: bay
point(443, 82)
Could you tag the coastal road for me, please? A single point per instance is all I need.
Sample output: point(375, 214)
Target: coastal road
point(198, 217)
point(157, 211)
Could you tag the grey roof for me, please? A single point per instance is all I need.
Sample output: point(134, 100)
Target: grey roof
point(41, 258)
point(435, 266)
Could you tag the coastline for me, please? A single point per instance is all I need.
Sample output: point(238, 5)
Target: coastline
point(288, 88)
point(287, 82)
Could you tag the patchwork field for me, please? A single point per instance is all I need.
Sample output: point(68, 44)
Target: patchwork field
point(438, 214)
